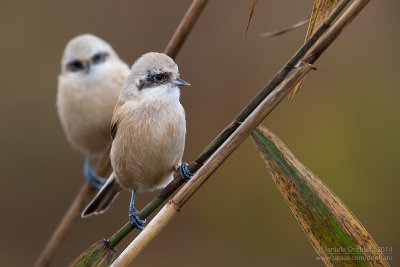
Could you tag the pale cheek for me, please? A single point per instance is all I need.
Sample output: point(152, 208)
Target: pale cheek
point(75, 76)
point(101, 68)
point(97, 73)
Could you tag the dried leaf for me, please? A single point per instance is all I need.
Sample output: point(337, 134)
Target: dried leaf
point(319, 13)
point(253, 7)
point(285, 30)
point(99, 254)
point(335, 233)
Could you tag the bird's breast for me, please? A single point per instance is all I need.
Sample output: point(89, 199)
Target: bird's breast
point(149, 143)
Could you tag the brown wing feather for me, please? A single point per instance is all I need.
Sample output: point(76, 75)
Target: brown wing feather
point(114, 128)
point(114, 120)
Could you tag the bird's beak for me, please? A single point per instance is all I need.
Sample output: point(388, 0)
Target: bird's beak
point(178, 81)
point(88, 67)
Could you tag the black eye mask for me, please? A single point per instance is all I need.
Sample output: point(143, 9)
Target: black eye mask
point(154, 80)
point(99, 58)
point(75, 66)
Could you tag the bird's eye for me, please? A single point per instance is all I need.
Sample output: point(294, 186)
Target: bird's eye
point(75, 65)
point(159, 77)
point(98, 58)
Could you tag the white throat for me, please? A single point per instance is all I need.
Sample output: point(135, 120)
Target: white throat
point(161, 93)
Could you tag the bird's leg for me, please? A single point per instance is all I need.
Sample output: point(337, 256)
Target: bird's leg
point(94, 180)
point(134, 214)
point(184, 171)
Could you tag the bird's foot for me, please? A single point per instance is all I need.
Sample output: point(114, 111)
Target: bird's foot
point(184, 171)
point(135, 219)
point(134, 214)
point(94, 180)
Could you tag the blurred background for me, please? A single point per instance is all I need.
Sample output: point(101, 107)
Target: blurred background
point(343, 125)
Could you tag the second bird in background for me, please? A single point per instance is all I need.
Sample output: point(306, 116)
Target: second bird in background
point(148, 130)
point(91, 79)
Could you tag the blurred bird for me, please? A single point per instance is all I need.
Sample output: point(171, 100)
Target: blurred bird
point(148, 130)
point(91, 79)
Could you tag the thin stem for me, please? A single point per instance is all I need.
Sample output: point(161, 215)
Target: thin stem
point(146, 211)
point(185, 27)
point(243, 131)
point(334, 32)
point(151, 206)
point(144, 238)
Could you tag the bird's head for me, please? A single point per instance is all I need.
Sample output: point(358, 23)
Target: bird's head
point(86, 55)
point(154, 73)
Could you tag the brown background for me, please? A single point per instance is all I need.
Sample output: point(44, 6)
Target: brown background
point(343, 125)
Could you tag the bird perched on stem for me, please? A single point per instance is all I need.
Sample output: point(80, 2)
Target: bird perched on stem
point(88, 88)
point(148, 130)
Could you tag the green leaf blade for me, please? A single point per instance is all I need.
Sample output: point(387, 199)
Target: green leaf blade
point(335, 233)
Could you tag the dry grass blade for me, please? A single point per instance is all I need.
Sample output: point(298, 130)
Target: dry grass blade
point(319, 13)
point(253, 7)
point(333, 230)
point(285, 30)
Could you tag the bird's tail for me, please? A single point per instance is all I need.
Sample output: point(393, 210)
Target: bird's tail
point(103, 199)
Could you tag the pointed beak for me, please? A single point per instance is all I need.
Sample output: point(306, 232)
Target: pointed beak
point(179, 82)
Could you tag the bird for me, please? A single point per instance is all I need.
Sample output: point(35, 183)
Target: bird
point(148, 130)
point(91, 79)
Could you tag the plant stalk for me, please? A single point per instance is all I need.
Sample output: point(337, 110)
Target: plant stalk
point(144, 238)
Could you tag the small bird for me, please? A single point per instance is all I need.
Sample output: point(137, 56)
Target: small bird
point(91, 79)
point(148, 130)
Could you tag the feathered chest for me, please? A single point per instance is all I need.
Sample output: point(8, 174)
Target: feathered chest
point(156, 120)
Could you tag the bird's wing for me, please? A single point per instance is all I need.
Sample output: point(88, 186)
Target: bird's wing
point(114, 121)
point(114, 127)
